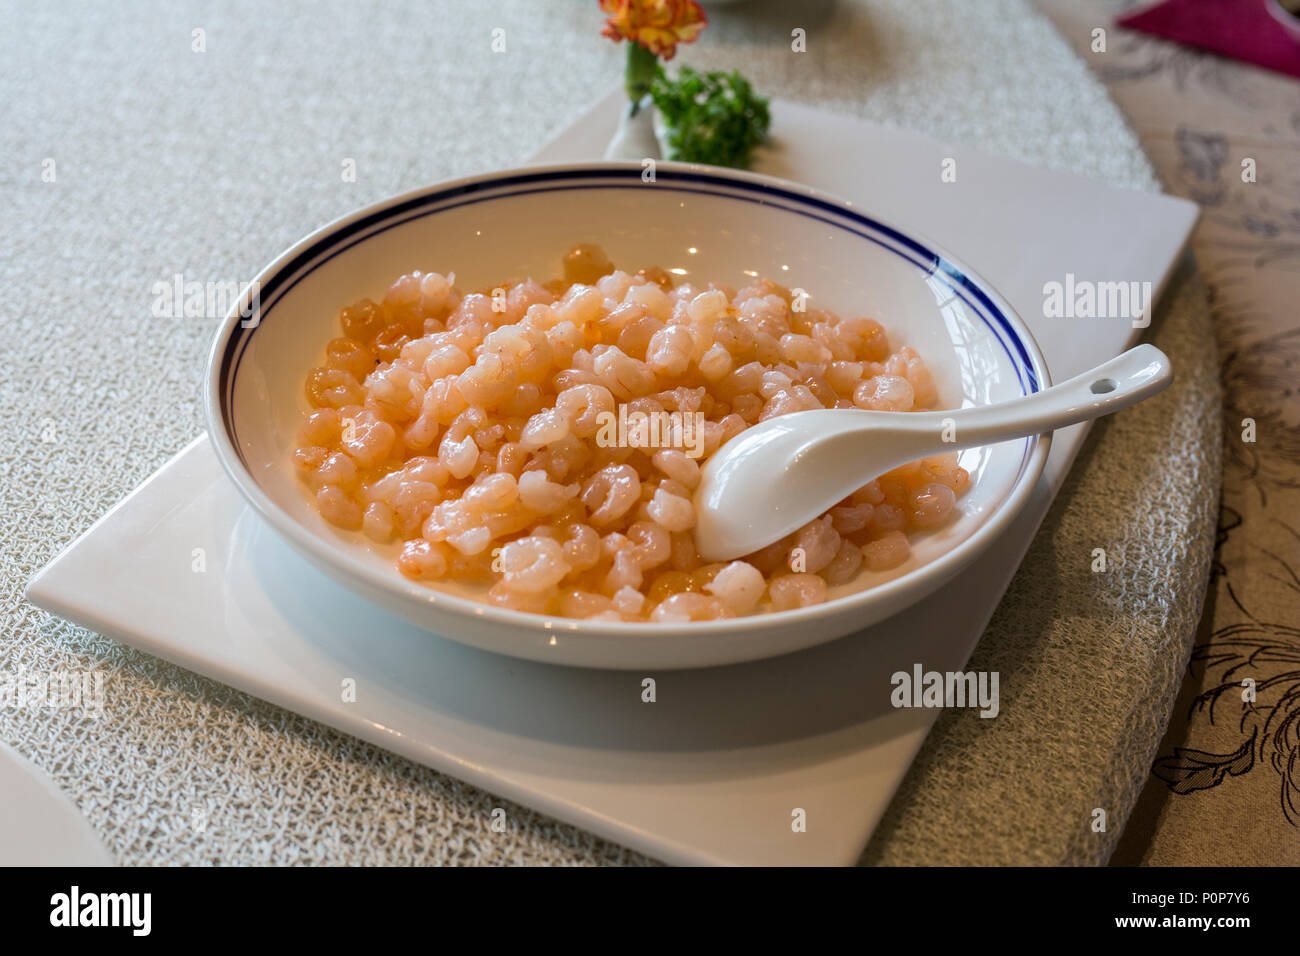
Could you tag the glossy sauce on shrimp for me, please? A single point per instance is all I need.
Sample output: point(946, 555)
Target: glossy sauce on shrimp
point(542, 441)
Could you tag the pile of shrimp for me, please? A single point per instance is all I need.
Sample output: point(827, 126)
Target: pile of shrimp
point(467, 427)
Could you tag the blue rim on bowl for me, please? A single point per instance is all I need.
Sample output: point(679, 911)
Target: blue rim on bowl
point(298, 262)
point(339, 236)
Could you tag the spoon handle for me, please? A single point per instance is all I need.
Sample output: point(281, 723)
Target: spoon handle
point(1111, 386)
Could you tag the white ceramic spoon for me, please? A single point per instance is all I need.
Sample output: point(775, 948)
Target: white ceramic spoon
point(777, 476)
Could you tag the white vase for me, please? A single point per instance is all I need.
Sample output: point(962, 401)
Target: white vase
point(635, 137)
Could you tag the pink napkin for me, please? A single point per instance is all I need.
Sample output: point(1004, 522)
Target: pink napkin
point(1242, 29)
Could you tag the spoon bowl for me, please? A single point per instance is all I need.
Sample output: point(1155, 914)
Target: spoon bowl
point(775, 477)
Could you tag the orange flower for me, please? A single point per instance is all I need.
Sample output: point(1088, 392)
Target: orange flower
point(658, 25)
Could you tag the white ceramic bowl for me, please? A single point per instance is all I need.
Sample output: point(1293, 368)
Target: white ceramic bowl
point(702, 222)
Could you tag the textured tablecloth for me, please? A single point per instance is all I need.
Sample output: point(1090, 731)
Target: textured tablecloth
point(203, 154)
point(1225, 789)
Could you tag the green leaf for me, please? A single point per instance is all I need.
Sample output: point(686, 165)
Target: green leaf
point(713, 118)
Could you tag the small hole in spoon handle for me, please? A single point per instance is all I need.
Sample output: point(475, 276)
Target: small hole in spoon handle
point(1123, 381)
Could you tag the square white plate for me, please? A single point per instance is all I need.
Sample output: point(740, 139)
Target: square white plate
point(713, 770)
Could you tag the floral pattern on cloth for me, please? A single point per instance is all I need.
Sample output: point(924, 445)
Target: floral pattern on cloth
point(1225, 788)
